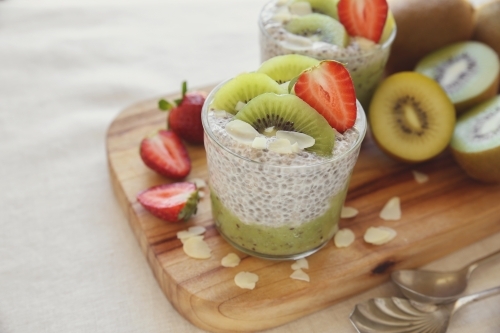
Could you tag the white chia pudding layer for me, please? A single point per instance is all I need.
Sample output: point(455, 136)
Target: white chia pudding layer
point(262, 187)
point(364, 59)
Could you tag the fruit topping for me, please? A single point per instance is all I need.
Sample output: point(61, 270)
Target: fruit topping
point(289, 113)
point(328, 89)
point(391, 210)
point(171, 202)
point(476, 141)
point(318, 27)
point(184, 117)
point(165, 153)
point(467, 71)
point(243, 88)
point(364, 18)
point(284, 68)
point(327, 7)
point(411, 117)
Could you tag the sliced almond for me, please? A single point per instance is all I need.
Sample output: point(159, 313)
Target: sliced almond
point(296, 42)
point(246, 280)
point(221, 114)
point(197, 248)
point(379, 235)
point(300, 8)
point(239, 106)
point(192, 231)
point(344, 238)
point(230, 260)
point(241, 131)
point(269, 129)
point(300, 263)
point(296, 148)
point(259, 142)
point(281, 146)
point(420, 177)
point(299, 274)
point(303, 140)
point(391, 210)
point(348, 212)
point(200, 183)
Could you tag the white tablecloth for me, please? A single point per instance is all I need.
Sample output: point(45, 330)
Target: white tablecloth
point(68, 259)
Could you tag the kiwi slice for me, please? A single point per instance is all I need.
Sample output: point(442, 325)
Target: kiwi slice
point(411, 117)
point(289, 113)
point(284, 68)
point(318, 27)
point(243, 88)
point(468, 72)
point(327, 7)
point(475, 143)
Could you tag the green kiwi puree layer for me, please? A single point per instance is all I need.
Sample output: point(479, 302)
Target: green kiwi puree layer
point(280, 241)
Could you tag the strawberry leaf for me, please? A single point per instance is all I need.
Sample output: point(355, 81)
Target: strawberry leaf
point(164, 105)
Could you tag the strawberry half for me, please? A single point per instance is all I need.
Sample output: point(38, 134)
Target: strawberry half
point(171, 202)
point(185, 115)
point(328, 89)
point(165, 153)
point(365, 18)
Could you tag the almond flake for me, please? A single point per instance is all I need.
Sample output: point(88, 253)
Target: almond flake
point(304, 141)
point(379, 235)
point(344, 238)
point(246, 280)
point(296, 148)
point(300, 275)
point(301, 263)
point(221, 114)
point(269, 129)
point(239, 106)
point(420, 177)
point(230, 260)
point(282, 17)
point(348, 212)
point(241, 131)
point(192, 231)
point(391, 210)
point(197, 248)
point(300, 8)
point(200, 183)
point(281, 146)
point(259, 142)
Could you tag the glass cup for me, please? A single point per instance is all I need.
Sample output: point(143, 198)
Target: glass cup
point(365, 62)
point(276, 211)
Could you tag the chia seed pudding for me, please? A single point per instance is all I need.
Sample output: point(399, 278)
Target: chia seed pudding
point(272, 205)
point(364, 59)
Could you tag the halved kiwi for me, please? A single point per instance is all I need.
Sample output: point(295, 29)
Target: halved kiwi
point(289, 113)
point(411, 117)
point(475, 143)
point(243, 88)
point(327, 7)
point(319, 27)
point(468, 72)
point(284, 68)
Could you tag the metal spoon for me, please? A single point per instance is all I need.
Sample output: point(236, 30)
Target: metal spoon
point(399, 315)
point(436, 287)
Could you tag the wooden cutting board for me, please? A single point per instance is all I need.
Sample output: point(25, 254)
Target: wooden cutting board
point(448, 212)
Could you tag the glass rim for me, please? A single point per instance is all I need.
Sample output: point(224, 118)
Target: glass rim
point(360, 126)
point(382, 46)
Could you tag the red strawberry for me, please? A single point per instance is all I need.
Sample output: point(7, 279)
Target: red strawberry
point(165, 153)
point(185, 115)
point(365, 18)
point(328, 88)
point(171, 202)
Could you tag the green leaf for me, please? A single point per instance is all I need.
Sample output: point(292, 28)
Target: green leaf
point(164, 105)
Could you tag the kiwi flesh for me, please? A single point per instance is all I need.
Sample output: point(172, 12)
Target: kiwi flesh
point(475, 143)
point(411, 117)
point(326, 7)
point(289, 113)
point(284, 68)
point(318, 27)
point(243, 88)
point(468, 72)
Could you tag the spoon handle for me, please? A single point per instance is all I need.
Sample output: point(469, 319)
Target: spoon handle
point(475, 297)
point(475, 264)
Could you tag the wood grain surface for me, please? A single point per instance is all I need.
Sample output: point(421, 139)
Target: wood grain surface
point(447, 213)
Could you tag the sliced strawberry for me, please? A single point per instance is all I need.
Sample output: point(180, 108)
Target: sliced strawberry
point(171, 202)
point(365, 18)
point(165, 153)
point(328, 88)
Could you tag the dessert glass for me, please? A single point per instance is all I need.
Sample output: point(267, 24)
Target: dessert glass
point(365, 60)
point(268, 207)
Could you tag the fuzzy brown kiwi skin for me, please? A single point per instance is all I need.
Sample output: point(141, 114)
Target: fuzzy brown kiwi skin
point(487, 94)
point(483, 166)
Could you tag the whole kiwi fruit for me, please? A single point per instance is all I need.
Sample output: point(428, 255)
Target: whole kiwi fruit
point(487, 27)
point(424, 26)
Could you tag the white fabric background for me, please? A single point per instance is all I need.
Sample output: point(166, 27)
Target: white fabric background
point(68, 259)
